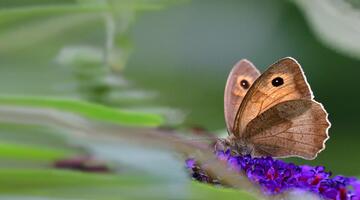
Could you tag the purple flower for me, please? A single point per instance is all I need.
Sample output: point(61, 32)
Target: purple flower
point(275, 176)
point(190, 163)
point(197, 173)
point(223, 155)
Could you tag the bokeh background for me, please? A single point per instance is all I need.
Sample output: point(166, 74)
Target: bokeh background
point(173, 57)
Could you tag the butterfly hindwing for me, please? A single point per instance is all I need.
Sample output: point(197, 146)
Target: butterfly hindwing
point(290, 128)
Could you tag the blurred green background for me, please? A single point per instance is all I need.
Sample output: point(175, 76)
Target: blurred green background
point(173, 58)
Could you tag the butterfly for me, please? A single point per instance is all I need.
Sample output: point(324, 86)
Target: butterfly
point(274, 113)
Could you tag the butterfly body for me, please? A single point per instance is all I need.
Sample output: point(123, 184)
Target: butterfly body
point(273, 113)
point(236, 146)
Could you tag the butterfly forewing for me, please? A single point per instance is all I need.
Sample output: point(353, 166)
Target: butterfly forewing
point(241, 77)
point(282, 81)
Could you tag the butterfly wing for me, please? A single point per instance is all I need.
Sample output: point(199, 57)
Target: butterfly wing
point(282, 81)
point(290, 128)
point(241, 77)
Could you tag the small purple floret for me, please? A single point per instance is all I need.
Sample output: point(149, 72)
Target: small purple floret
point(275, 176)
point(190, 163)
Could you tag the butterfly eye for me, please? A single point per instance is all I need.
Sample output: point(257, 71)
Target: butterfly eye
point(244, 84)
point(277, 81)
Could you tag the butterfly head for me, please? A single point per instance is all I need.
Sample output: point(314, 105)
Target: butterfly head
point(236, 146)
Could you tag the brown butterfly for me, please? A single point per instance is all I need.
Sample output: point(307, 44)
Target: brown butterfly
point(273, 114)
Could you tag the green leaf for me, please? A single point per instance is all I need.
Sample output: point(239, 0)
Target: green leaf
point(27, 34)
point(35, 179)
point(70, 184)
point(204, 191)
point(32, 135)
point(67, 184)
point(92, 7)
point(25, 26)
point(13, 151)
point(86, 109)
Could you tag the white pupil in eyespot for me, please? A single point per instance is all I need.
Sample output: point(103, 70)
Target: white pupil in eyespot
point(244, 84)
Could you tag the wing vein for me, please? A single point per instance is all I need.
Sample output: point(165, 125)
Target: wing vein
point(288, 139)
point(277, 99)
point(275, 135)
point(283, 147)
